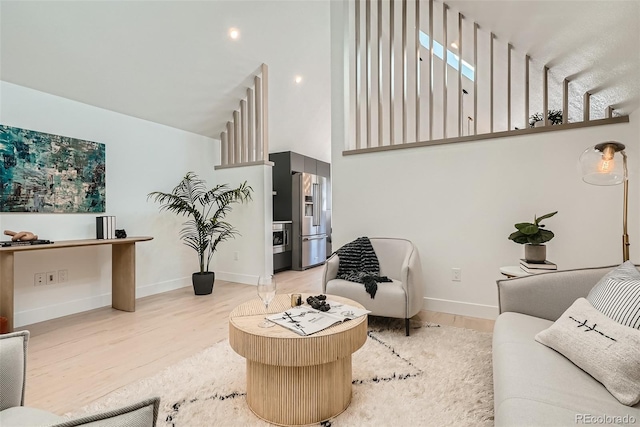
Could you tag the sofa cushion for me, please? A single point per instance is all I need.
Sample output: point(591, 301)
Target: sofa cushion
point(535, 385)
point(617, 295)
point(22, 416)
point(390, 299)
point(607, 350)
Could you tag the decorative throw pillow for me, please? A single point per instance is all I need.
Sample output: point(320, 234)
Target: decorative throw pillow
point(603, 348)
point(617, 295)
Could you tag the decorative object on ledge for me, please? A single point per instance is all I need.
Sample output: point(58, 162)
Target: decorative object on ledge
point(602, 165)
point(206, 227)
point(121, 234)
point(555, 118)
point(49, 173)
point(21, 236)
point(533, 236)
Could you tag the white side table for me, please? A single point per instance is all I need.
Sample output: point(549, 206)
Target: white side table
point(513, 271)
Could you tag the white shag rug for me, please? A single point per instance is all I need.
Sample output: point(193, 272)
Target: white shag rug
point(438, 376)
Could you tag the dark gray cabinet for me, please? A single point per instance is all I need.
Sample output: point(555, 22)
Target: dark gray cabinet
point(323, 169)
point(296, 161)
point(310, 165)
point(285, 165)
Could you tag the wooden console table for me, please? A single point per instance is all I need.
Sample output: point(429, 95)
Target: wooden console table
point(123, 271)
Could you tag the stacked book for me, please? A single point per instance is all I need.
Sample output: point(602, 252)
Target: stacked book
point(106, 227)
point(534, 267)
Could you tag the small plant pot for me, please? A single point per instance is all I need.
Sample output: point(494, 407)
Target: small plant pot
point(535, 253)
point(203, 282)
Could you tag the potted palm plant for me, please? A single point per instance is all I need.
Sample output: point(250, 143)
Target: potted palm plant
point(533, 236)
point(555, 118)
point(206, 228)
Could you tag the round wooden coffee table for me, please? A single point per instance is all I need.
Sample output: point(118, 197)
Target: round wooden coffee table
point(293, 379)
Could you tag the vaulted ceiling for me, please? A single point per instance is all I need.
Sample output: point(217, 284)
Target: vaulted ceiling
point(172, 62)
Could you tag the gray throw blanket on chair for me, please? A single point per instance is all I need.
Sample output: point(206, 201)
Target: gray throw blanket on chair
point(359, 263)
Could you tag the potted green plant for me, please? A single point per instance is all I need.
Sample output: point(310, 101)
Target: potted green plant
point(206, 228)
point(533, 236)
point(555, 118)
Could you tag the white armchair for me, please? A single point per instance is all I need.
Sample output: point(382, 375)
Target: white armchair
point(399, 261)
point(13, 413)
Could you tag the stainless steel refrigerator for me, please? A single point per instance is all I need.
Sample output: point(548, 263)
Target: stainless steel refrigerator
point(309, 220)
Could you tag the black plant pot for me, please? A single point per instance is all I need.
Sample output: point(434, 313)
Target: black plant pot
point(203, 282)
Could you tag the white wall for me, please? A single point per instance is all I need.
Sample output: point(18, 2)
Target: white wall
point(141, 157)
point(458, 202)
point(253, 246)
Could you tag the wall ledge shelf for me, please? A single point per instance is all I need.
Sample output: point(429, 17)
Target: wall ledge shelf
point(76, 243)
point(240, 165)
point(484, 136)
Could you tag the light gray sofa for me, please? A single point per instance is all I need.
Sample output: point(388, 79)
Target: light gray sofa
point(13, 413)
point(533, 384)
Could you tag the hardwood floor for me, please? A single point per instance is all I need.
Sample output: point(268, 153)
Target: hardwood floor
point(77, 359)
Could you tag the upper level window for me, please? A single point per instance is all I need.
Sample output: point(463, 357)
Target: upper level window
point(452, 58)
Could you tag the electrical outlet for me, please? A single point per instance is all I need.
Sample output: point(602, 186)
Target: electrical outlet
point(39, 279)
point(236, 256)
point(456, 274)
point(63, 276)
point(52, 277)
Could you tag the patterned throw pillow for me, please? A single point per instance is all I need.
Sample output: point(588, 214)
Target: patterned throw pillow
point(603, 348)
point(617, 295)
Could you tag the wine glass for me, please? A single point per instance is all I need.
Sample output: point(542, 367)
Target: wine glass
point(266, 292)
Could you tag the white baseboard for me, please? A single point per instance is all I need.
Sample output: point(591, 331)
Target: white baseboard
point(247, 279)
point(158, 288)
point(49, 312)
point(461, 308)
point(28, 317)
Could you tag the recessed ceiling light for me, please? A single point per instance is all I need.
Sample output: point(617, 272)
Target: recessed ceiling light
point(234, 33)
point(454, 45)
point(298, 79)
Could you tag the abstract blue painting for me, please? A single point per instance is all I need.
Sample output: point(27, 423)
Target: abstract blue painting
point(41, 172)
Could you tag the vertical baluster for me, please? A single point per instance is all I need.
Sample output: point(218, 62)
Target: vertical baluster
point(380, 77)
point(404, 71)
point(527, 60)
point(264, 148)
point(608, 112)
point(392, 74)
point(232, 144)
point(460, 118)
point(259, 117)
point(358, 68)
point(430, 70)
point(417, 47)
point(491, 86)
point(545, 95)
point(243, 131)
point(565, 101)
point(586, 110)
point(445, 55)
point(367, 26)
point(224, 156)
point(251, 135)
point(237, 155)
point(509, 49)
point(475, 78)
